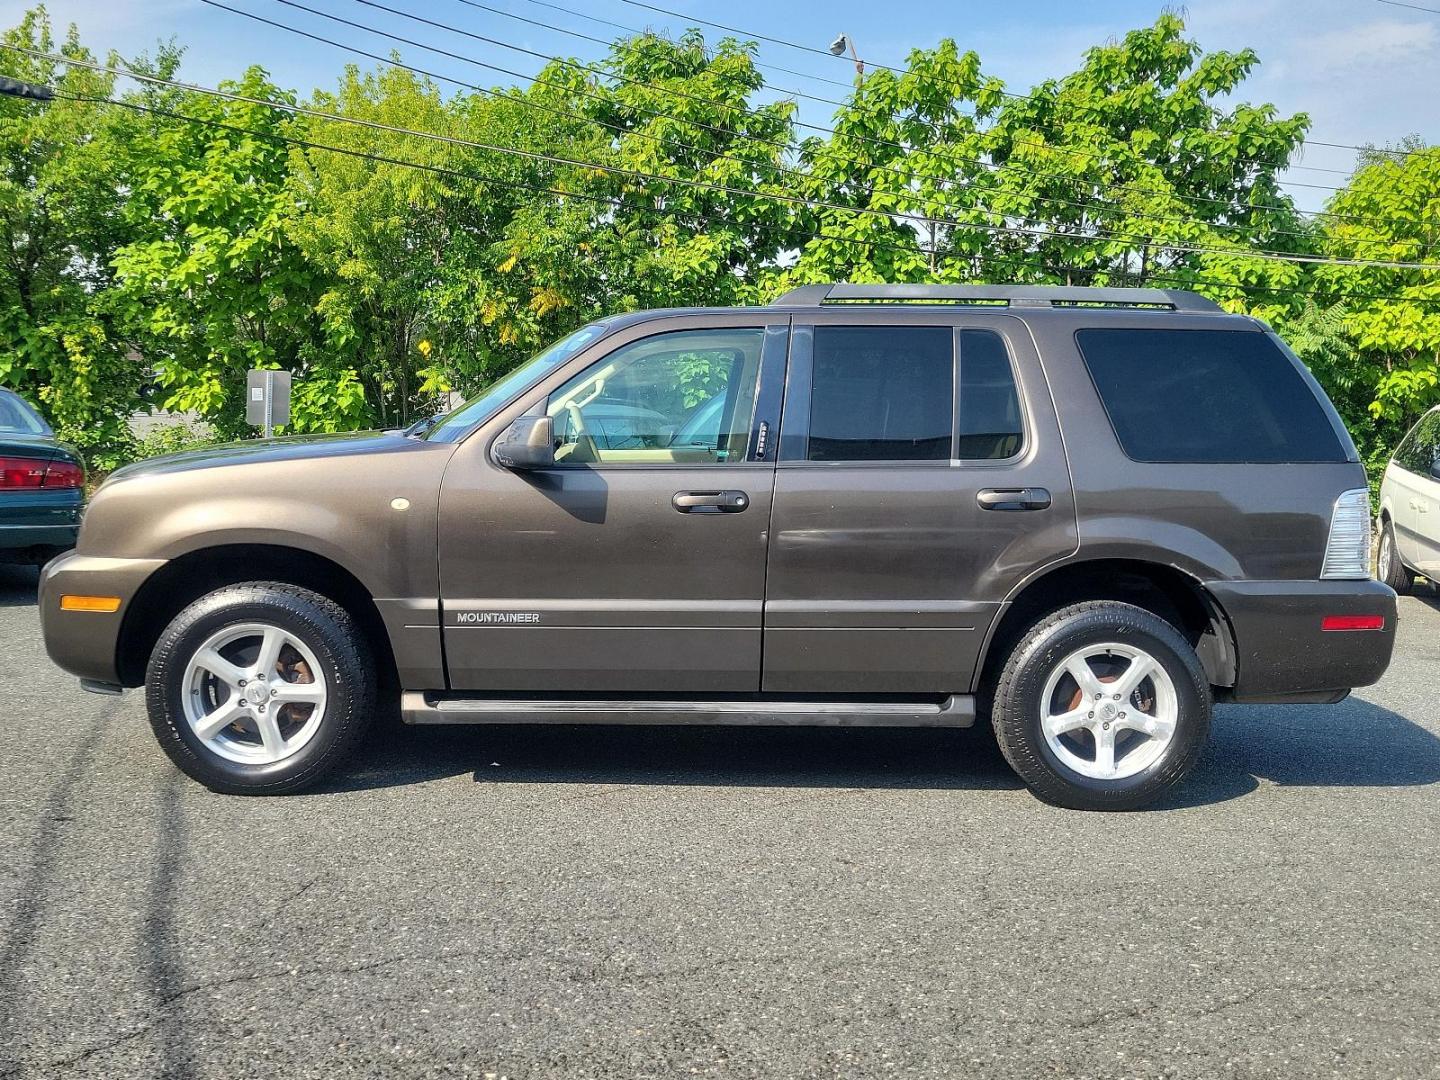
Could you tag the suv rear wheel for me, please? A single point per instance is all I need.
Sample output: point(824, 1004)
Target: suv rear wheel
point(260, 688)
point(1102, 706)
point(1388, 567)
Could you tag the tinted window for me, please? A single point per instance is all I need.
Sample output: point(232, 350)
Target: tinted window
point(990, 427)
point(882, 393)
point(1420, 451)
point(1206, 396)
point(678, 398)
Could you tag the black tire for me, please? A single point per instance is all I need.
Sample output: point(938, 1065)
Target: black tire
point(323, 626)
point(1017, 710)
point(1397, 575)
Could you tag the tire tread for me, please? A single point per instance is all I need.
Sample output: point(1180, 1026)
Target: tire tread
point(353, 673)
point(1022, 751)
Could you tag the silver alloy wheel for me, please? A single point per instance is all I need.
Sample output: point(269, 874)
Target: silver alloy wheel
point(1109, 711)
point(1387, 555)
point(254, 693)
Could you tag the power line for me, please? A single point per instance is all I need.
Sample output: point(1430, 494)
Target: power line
point(1123, 185)
point(820, 204)
point(633, 30)
point(1190, 281)
point(1230, 207)
point(786, 91)
point(1412, 7)
point(675, 92)
point(693, 19)
point(779, 197)
point(608, 43)
point(871, 140)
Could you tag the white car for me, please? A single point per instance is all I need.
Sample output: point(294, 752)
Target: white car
point(1410, 508)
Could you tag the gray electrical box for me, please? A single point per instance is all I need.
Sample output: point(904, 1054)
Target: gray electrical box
point(267, 399)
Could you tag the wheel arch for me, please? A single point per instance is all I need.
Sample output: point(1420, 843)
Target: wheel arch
point(189, 576)
point(1164, 590)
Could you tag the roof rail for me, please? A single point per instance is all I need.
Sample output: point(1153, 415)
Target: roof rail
point(1007, 295)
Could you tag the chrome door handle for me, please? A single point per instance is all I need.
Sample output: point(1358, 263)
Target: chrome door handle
point(1013, 499)
point(710, 502)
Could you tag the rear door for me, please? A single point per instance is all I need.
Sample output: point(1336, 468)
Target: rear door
point(637, 562)
point(921, 476)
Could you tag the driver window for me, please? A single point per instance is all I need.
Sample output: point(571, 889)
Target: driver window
point(679, 398)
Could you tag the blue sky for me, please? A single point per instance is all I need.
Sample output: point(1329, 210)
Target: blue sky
point(1363, 71)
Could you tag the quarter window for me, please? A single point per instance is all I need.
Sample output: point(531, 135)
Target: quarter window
point(882, 393)
point(1206, 396)
point(683, 398)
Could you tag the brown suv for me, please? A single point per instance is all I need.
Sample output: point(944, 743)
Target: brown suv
point(1083, 514)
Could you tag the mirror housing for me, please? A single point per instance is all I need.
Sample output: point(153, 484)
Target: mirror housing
point(528, 443)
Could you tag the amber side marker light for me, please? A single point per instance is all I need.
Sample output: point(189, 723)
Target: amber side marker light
point(89, 603)
point(1353, 622)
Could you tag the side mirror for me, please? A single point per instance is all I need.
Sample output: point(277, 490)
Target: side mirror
point(528, 443)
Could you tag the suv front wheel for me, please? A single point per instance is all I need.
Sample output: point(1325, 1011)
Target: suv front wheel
point(1102, 706)
point(260, 688)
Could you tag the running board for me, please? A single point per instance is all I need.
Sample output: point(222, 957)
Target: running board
point(420, 707)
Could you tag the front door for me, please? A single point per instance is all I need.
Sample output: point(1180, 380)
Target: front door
point(637, 563)
point(921, 477)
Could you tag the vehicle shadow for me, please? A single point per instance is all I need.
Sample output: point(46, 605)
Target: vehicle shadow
point(1354, 744)
point(683, 756)
point(18, 585)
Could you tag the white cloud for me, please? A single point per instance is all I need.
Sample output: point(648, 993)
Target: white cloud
point(1368, 46)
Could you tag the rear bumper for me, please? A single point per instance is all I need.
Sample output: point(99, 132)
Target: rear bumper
point(21, 537)
point(85, 643)
point(1282, 654)
point(31, 521)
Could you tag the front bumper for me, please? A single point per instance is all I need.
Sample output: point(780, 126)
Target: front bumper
point(86, 643)
point(1282, 654)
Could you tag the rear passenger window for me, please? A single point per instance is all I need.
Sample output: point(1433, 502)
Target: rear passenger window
point(1206, 396)
point(882, 393)
point(990, 427)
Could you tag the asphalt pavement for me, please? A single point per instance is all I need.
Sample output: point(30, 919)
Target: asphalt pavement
point(510, 902)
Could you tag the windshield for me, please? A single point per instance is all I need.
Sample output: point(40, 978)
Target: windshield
point(15, 415)
point(483, 406)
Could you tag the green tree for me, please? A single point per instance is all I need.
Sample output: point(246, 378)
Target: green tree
point(1102, 177)
point(410, 257)
point(1390, 210)
point(211, 282)
point(61, 202)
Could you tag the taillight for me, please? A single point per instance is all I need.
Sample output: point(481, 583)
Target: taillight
point(1347, 551)
point(64, 474)
point(36, 474)
point(1332, 623)
point(22, 474)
